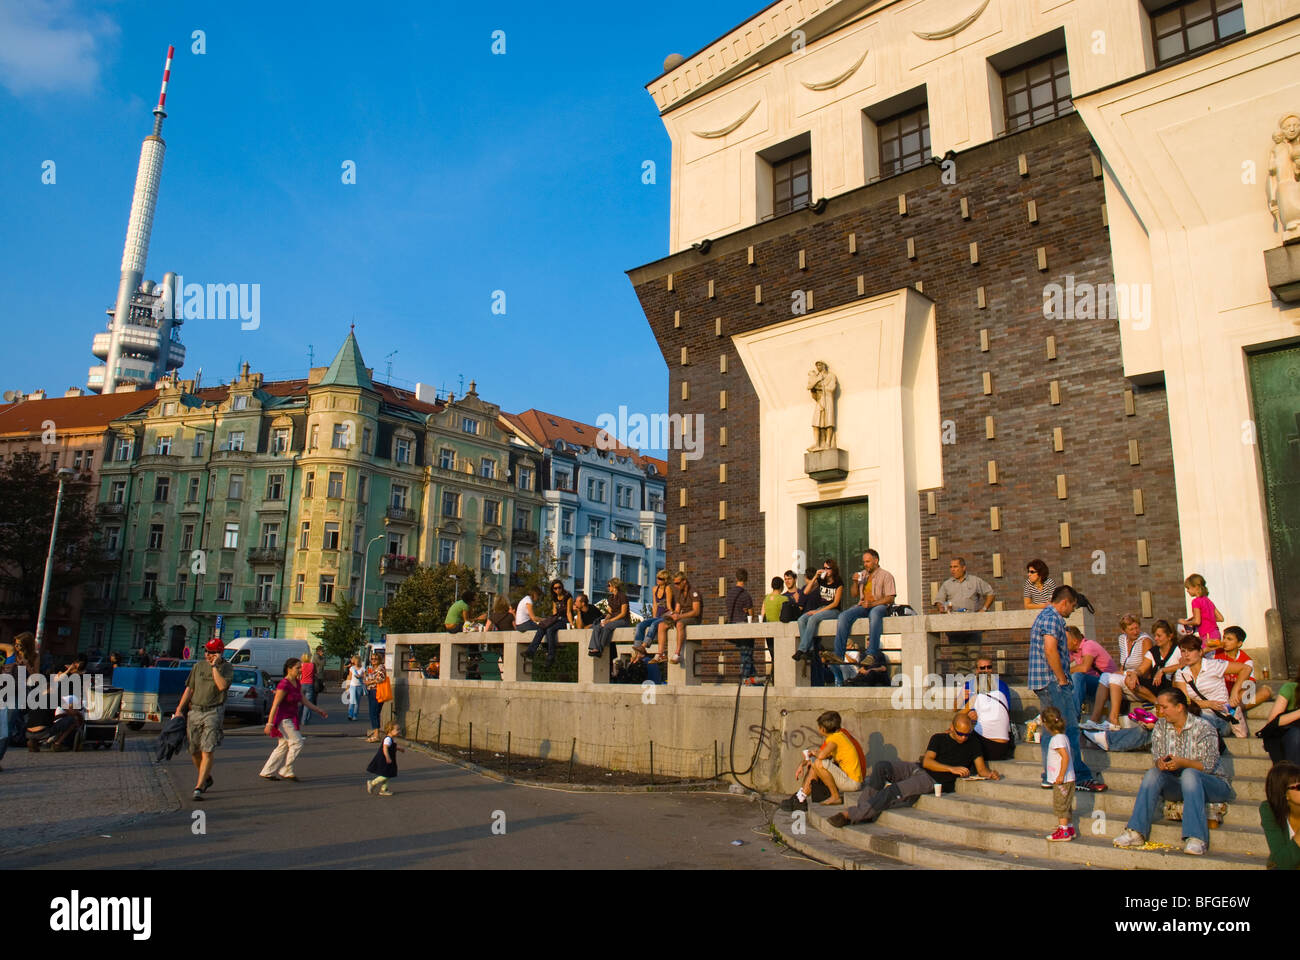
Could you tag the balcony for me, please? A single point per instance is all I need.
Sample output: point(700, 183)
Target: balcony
point(261, 608)
point(396, 563)
point(400, 514)
point(266, 555)
point(111, 509)
point(523, 536)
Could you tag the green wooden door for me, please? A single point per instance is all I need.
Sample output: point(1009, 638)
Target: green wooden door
point(837, 530)
point(1275, 388)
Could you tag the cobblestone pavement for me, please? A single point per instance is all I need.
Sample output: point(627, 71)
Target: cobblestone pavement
point(51, 797)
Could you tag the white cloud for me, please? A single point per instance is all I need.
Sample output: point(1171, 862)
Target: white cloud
point(48, 46)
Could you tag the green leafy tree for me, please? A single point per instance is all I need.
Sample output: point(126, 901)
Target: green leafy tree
point(340, 635)
point(155, 625)
point(28, 490)
point(424, 597)
point(537, 571)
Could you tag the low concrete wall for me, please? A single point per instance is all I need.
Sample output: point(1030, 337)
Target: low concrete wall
point(691, 727)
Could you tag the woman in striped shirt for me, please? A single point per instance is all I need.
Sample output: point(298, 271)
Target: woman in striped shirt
point(1039, 587)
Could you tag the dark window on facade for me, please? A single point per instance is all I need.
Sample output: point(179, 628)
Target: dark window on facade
point(792, 183)
point(904, 141)
point(1037, 92)
point(1190, 26)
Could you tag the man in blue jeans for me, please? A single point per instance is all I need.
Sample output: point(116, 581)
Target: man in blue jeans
point(876, 589)
point(1049, 678)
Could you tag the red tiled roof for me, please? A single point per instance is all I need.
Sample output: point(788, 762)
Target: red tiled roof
point(546, 428)
point(88, 412)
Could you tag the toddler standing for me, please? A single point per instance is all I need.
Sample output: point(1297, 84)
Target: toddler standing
point(384, 765)
point(1060, 774)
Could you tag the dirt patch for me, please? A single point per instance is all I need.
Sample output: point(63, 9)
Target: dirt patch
point(557, 771)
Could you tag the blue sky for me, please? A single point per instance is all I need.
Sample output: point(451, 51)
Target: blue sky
point(474, 173)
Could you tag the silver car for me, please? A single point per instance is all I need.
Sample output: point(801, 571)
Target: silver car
point(250, 695)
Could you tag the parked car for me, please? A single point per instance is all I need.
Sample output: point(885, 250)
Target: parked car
point(250, 695)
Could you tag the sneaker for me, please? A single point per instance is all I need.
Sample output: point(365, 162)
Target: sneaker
point(370, 786)
point(1062, 833)
point(1195, 846)
point(1130, 838)
point(385, 792)
point(1091, 725)
point(1043, 784)
point(793, 803)
point(1090, 786)
point(198, 794)
point(1098, 737)
point(839, 820)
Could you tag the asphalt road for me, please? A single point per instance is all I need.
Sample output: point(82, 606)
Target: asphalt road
point(440, 817)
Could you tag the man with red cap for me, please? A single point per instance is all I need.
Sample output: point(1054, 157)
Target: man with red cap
point(205, 693)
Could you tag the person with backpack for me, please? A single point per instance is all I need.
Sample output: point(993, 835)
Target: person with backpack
point(740, 609)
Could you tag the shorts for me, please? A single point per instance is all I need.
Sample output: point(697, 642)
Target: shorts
point(1111, 680)
point(842, 780)
point(1063, 798)
point(203, 726)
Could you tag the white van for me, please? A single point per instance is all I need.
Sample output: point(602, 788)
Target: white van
point(268, 653)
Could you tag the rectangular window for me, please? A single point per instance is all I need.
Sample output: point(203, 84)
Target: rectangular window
point(225, 585)
point(299, 583)
point(395, 545)
point(365, 439)
point(488, 468)
point(150, 586)
point(596, 490)
point(655, 503)
point(326, 592)
point(354, 589)
point(182, 585)
point(117, 492)
point(446, 550)
point(192, 495)
point(54, 460)
point(450, 504)
point(315, 436)
point(904, 141)
point(306, 531)
point(447, 459)
point(231, 539)
point(523, 520)
point(155, 536)
point(792, 183)
point(207, 530)
point(280, 440)
point(1190, 26)
point(335, 490)
point(594, 526)
point(200, 442)
point(363, 489)
point(235, 440)
point(525, 478)
point(275, 486)
point(390, 591)
point(113, 538)
point(309, 485)
point(564, 566)
point(76, 461)
point(265, 587)
point(90, 460)
point(1037, 92)
point(342, 433)
point(165, 445)
point(187, 537)
point(563, 480)
point(235, 489)
point(162, 488)
point(469, 425)
point(403, 448)
point(270, 536)
point(492, 512)
point(566, 522)
point(331, 541)
point(241, 403)
point(123, 451)
point(485, 558)
point(399, 496)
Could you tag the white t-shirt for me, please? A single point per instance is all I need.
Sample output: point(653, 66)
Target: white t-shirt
point(993, 721)
point(1060, 741)
point(524, 611)
point(1210, 680)
point(354, 676)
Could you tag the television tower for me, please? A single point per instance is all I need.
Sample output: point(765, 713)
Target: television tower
point(142, 342)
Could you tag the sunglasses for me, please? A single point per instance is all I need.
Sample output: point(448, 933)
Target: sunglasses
point(984, 669)
point(959, 735)
point(1293, 786)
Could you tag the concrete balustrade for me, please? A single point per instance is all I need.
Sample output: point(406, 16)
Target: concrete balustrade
point(908, 642)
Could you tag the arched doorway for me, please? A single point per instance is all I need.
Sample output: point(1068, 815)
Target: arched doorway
point(176, 641)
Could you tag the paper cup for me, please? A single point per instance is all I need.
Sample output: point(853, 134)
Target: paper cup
point(938, 789)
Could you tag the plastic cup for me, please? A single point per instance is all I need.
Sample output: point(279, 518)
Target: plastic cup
point(938, 789)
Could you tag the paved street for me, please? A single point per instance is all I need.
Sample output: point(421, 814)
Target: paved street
point(442, 816)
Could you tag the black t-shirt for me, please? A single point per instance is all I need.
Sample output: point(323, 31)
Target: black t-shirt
point(738, 601)
point(825, 591)
point(954, 754)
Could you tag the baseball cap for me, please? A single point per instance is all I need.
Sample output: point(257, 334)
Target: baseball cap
point(214, 646)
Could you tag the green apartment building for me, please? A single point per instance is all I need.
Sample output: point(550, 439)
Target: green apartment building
point(262, 503)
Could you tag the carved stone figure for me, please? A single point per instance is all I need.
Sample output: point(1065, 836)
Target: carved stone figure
point(822, 384)
point(1284, 177)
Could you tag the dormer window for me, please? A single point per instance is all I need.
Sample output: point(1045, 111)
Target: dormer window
point(469, 425)
point(241, 403)
point(402, 450)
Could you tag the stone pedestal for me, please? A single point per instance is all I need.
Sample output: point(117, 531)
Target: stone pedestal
point(1282, 266)
point(829, 464)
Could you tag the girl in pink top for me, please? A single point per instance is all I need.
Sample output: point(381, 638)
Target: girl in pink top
point(1205, 618)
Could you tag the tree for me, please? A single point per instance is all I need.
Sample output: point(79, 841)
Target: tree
point(424, 597)
point(340, 636)
point(155, 625)
point(537, 571)
point(28, 490)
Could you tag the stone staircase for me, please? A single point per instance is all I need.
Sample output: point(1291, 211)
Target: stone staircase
point(1003, 824)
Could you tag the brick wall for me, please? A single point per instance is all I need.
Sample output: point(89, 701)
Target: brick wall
point(1062, 178)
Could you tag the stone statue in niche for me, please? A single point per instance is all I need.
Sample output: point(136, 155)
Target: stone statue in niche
point(1284, 177)
point(822, 384)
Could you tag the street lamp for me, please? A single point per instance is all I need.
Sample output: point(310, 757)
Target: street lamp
point(63, 474)
point(365, 572)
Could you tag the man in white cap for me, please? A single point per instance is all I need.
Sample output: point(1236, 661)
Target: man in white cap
point(205, 693)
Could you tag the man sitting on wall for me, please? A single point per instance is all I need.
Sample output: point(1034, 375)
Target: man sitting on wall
point(949, 755)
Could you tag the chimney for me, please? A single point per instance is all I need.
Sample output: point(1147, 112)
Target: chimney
point(73, 392)
point(36, 395)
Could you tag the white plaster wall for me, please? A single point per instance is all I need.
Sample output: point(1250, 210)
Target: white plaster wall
point(1186, 218)
point(883, 352)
